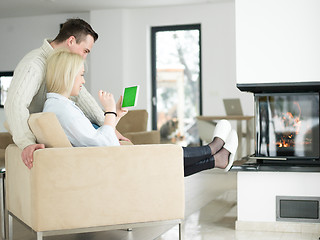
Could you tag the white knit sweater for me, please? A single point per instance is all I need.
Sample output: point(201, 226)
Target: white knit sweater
point(27, 94)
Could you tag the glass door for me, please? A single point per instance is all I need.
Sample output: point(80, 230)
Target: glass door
point(176, 83)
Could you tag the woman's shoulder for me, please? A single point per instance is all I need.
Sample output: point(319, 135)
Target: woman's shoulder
point(57, 103)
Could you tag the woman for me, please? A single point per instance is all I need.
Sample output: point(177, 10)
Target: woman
point(64, 78)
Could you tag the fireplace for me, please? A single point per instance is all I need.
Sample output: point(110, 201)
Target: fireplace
point(286, 123)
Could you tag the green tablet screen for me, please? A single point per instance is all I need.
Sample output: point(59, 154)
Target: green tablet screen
point(130, 96)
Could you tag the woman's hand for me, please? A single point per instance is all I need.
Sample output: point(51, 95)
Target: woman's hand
point(109, 105)
point(107, 101)
point(121, 137)
point(121, 111)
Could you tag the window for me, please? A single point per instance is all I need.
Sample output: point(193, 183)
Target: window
point(5, 80)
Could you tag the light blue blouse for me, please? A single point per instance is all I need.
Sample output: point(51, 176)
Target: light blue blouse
point(77, 126)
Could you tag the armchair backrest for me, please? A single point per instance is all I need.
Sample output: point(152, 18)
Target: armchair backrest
point(133, 121)
point(47, 130)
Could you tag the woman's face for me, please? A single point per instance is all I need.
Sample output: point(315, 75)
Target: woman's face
point(79, 80)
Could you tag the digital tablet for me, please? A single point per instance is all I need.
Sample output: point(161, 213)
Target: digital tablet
point(130, 96)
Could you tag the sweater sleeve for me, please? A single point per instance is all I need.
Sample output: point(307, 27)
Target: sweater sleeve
point(24, 86)
point(89, 107)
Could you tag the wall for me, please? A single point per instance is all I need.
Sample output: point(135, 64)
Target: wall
point(21, 35)
point(277, 41)
point(256, 201)
point(107, 56)
point(122, 55)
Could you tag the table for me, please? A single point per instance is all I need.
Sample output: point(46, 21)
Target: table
point(239, 120)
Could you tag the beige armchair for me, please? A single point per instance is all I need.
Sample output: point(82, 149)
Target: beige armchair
point(72, 190)
point(5, 140)
point(134, 126)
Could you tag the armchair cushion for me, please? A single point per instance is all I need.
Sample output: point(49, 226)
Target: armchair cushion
point(47, 129)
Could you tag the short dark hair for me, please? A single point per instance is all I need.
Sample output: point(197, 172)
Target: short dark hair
point(75, 27)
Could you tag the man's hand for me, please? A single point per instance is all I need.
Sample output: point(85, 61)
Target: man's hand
point(27, 154)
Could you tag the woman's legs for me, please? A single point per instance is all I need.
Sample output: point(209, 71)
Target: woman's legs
point(197, 159)
point(193, 155)
point(202, 165)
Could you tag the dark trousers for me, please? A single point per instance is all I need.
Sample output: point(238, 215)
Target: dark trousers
point(197, 159)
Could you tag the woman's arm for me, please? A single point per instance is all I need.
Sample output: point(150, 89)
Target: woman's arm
point(109, 106)
point(93, 112)
point(77, 126)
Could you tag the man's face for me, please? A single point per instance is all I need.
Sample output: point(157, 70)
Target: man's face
point(83, 48)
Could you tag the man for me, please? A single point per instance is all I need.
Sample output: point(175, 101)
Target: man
point(27, 92)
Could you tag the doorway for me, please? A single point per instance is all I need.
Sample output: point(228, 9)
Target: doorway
point(176, 83)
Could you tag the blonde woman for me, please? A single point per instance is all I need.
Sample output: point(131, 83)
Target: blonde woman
point(64, 78)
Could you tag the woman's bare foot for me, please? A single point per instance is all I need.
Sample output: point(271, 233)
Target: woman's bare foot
point(221, 159)
point(216, 144)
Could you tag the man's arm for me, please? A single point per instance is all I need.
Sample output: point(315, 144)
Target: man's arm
point(89, 106)
point(25, 85)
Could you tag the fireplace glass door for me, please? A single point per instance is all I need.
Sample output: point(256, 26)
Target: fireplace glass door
point(287, 125)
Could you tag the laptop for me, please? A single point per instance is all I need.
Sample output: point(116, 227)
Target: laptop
point(232, 106)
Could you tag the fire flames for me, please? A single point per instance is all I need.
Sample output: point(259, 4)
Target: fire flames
point(285, 141)
point(291, 127)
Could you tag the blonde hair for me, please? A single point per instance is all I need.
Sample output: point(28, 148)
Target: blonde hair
point(62, 69)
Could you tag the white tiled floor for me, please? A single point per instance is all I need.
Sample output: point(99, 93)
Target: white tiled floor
point(216, 221)
point(210, 215)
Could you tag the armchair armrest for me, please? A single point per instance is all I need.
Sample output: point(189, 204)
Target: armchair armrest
point(145, 137)
point(71, 188)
